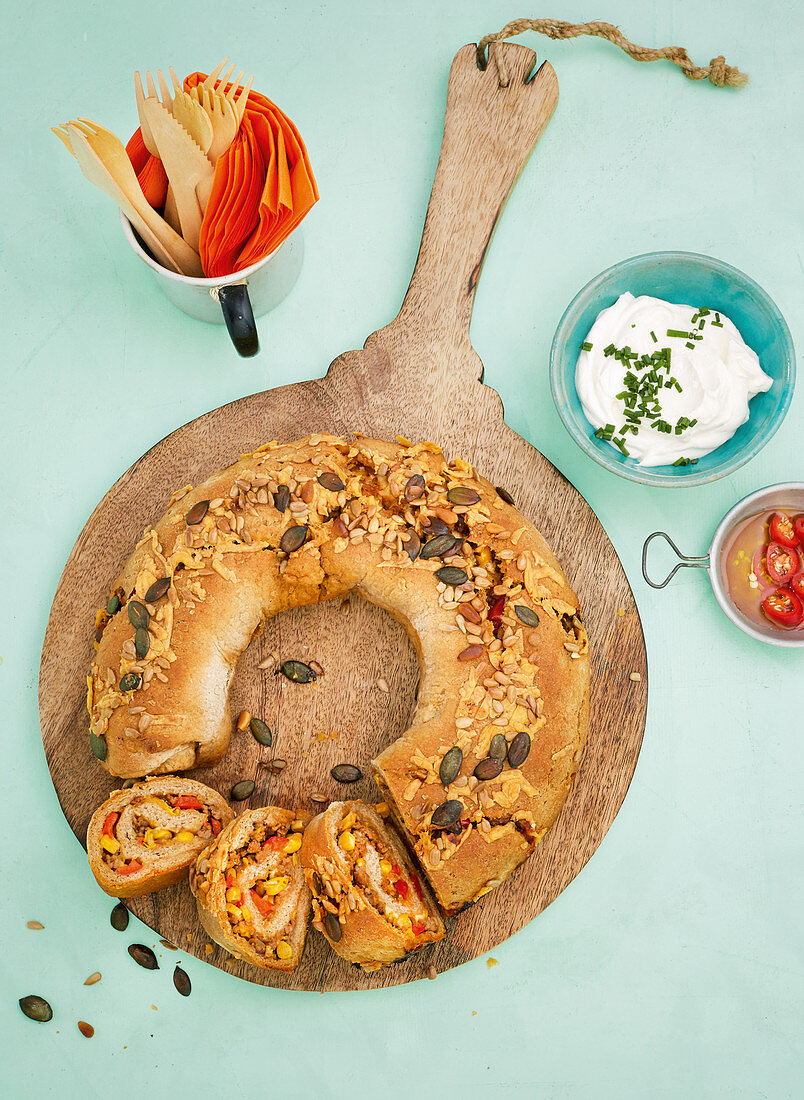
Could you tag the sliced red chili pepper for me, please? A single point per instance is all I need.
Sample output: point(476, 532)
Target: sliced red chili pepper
point(187, 802)
point(215, 825)
point(275, 843)
point(418, 927)
point(797, 585)
point(129, 868)
point(264, 906)
point(783, 606)
point(798, 527)
point(783, 530)
point(401, 888)
point(395, 870)
point(782, 562)
point(417, 886)
point(109, 823)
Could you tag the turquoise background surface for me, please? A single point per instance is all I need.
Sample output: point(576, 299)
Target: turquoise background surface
point(672, 966)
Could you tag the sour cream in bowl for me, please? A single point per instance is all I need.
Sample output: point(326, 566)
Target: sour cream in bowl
point(747, 367)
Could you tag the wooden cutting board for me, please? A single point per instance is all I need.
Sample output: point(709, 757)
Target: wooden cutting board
point(418, 377)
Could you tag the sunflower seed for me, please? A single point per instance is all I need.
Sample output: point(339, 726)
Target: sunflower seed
point(414, 487)
point(260, 732)
point(36, 1008)
point(98, 745)
point(34, 925)
point(488, 768)
point(137, 614)
point(130, 682)
point(332, 927)
point(505, 495)
point(450, 765)
point(438, 547)
point(451, 575)
point(143, 956)
point(197, 513)
point(346, 773)
point(181, 980)
point(293, 538)
point(282, 498)
point(518, 749)
point(157, 590)
point(447, 813)
point(526, 615)
point(242, 790)
point(330, 481)
point(142, 642)
point(498, 749)
point(470, 653)
point(93, 979)
point(87, 1030)
point(463, 496)
point(297, 671)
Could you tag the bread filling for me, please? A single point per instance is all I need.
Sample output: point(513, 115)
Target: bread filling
point(159, 832)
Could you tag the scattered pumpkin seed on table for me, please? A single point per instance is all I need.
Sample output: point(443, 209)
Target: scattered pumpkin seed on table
point(181, 980)
point(119, 917)
point(261, 732)
point(242, 790)
point(143, 956)
point(346, 773)
point(297, 671)
point(36, 1008)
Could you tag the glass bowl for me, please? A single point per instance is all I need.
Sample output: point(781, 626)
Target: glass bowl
point(689, 279)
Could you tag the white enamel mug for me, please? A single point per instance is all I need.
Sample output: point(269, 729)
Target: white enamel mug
point(236, 299)
point(785, 496)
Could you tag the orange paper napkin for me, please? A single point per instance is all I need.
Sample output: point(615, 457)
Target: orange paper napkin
point(262, 189)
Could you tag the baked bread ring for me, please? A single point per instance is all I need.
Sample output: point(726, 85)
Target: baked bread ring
point(144, 838)
point(503, 653)
point(367, 899)
point(250, 890)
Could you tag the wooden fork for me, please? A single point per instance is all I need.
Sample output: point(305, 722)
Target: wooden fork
point(216, 82)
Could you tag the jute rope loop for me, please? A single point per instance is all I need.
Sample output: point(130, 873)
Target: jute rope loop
point(717, 72)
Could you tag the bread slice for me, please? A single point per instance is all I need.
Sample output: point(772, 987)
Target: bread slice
point(250, 890)
point(367, 899)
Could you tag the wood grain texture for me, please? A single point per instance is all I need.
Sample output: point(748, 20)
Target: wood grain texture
point(418, 377)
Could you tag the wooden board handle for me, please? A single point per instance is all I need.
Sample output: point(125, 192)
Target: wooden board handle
point(489, 132)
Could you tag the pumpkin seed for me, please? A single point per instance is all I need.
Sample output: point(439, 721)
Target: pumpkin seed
point(260, 732)
point(142, 642)
point(438, 546)
point(450, 574)
point(526, 615)
point(297, 671)
point(498, 749)
point(488, 768)
point(119, 917)
point(112, 605)
point(505, 495)
point(197, 513)
point(346, 773)
point(518, 749)
point(130, 682)
point(318, 884)
point(330, 481)
point(87, 1030)
point(332, 927)
point(143, 956)
point(170, 946)
point(450, 765)
point(293, 538)
point(157, 590)
point(138, 614)
point(412, 543)
point(433, 526)
point(447, 813)
point(278, 765)
point(242, 790)
point(98, 745)
point(36, 1008)
point(181, 980)
point(463, 496)
point(414, 487)
point(282, 498)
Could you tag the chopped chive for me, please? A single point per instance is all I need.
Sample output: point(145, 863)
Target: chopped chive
point(703, 312)
point(609, 350)
point(681, 462)
point(701, 323)
point(621, 444)
point(653, 336)
point(689, 344)
point(586, 346)
point(678, 332)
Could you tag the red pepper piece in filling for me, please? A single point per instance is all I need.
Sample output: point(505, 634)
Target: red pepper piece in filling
point(275, 843)
point(264, 906)
point(109, 823)
point(417, 886)
point(401, 888)
point(215, 825)
point(418, 927)
point(130, 868)
point(187, 802)
point(495, 611)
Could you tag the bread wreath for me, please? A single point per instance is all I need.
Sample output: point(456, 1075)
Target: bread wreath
point(367, 899)
point(145, 837)
point(234, 882)
point(497, 629)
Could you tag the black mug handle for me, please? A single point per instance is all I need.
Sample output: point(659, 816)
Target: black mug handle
point(239, 318)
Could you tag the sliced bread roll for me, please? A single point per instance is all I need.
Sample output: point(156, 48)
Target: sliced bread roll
point(367, 899)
